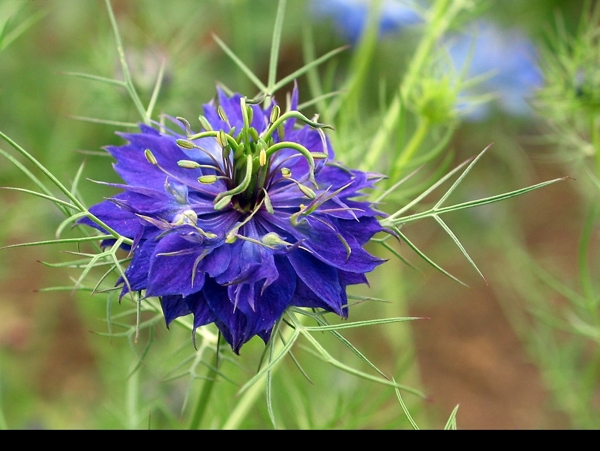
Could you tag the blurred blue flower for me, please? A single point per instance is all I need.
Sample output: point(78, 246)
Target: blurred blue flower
point(506, 61)
point(350, 16)
point(242, 220)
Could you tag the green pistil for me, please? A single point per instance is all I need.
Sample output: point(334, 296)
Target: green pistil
point(245, 182)
point(289, 115)
point(246, 157)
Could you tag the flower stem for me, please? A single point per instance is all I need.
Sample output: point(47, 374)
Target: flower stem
point(124, 67)
point(132, 399)
point(410, 149)
point(249, 397)
point(243, 407)
point(595, 135)
point(207, 388)
point(3, 423)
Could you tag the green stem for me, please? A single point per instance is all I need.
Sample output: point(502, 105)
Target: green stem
point(3, 423)
point(207, 388)
point(585, 275)
point(124, 67)
point(595, 136)
point(249, 396)
point(243, 407)
point(411, 148)
point(361, 65)
point(132, 399)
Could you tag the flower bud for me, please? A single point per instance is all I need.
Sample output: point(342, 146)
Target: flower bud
point(188, 127)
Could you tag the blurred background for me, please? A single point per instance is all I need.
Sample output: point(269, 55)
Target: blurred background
point(511, 350)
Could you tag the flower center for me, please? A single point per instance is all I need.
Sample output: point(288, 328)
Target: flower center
point(246, 161)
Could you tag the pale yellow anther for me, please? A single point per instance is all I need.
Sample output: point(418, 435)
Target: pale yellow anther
point(275, 112)
point(204, 123)
point(222, 138)
point(150, 157)
point(207, 179)
point(188, 164)
point(185, 144)
point(262, 157)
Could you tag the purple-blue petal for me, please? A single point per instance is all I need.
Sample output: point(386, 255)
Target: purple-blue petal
point(320, 278)
point(174, 267)
point(237, 326)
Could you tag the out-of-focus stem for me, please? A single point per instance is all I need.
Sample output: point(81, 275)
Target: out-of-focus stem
point(249, 397)
point(595, 136)
point(410, 149)
point(207, 387)
point(443, 13)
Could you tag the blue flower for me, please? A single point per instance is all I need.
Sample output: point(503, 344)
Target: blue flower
point(507, 61)
point(240, 221)
point(350, 16)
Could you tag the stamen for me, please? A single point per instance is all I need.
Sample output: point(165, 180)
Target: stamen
point(223, 202)
point(223, 115)
point(305, 190)
point(222, 138)
point(158, 223)
point(262, 157)
point(267, 200)
point(275, 113)
point(253, 134)
point(204, 253)
point(188, 127)
point(150, 157)
point(188, 164)
point(250, 113)
point(294, 218)
point(204, 124)
point(209, 179)
point(185, 144)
